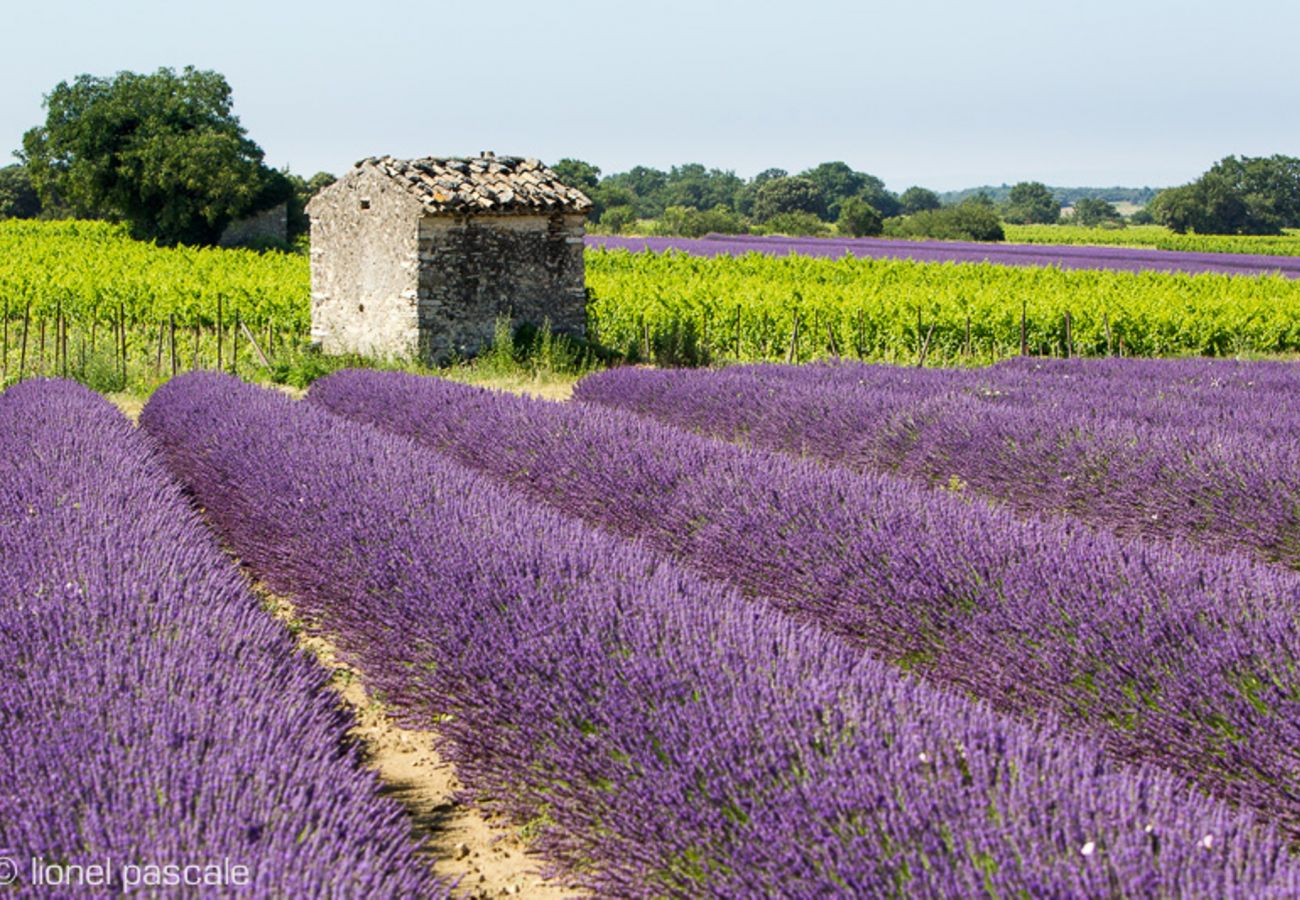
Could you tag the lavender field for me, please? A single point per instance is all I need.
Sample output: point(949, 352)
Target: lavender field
point(838, 630)
point(1124, 259)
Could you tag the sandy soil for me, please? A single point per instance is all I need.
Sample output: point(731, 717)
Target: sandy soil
point(489, 857)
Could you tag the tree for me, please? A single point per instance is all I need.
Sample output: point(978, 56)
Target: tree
point(787, 195)
point(1210, 205)
point(578, 174)
point(1250, 195)
point(1032, 203)
point(683, 221)
point(303, 190)
point(745, 199)
point(795, 224)
point(645, 187)
point(585, 177)
point(18, 198)
point(970, 220)
point(617, 218)
point(839, 182)
point(1091, 212)
point(917, 199)
point(858, 218)
point(163, 152)
point(696, 187)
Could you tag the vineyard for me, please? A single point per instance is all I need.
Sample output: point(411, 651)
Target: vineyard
point(81, 299)
point(84, 300)
point(679, 308)
point(1158, 237)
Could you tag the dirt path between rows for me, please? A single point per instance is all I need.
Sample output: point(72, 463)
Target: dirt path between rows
point(488, 856)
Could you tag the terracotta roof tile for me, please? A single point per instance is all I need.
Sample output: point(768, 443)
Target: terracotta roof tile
point(506, 184)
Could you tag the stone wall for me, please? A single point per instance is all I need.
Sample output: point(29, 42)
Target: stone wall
point(476, 268)
point(269, 224)
point(364, 267)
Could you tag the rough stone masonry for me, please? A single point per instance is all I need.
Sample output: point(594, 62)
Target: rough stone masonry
point(419, 257)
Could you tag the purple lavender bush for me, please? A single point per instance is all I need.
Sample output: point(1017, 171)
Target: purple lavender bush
point(1206, 454)
point(1167, 655)
point(151, 713)
point(663, 735)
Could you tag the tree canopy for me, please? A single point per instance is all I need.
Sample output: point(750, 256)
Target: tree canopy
point(1090, 211)
point(1247, 195)
point(18, 198)
point(1032, 203)
point(788, 195)
point(162, 152)
point(918, 199)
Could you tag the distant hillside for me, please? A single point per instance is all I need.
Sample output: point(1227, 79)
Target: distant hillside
point(1067, 195)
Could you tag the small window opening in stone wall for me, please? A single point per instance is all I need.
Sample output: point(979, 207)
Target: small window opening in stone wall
point(365, 204)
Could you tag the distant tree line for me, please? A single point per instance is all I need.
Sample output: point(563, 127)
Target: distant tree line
point(1067, 196)
point(691, 200)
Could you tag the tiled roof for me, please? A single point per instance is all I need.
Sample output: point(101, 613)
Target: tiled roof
point(486, 183)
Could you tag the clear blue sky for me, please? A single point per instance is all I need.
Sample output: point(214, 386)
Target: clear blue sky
point(943, 94)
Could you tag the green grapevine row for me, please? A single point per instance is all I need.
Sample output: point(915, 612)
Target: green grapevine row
point(93, 271)
point(1158, 237)
point(681, 309)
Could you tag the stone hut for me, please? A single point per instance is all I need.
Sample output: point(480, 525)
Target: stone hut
point(419, 257)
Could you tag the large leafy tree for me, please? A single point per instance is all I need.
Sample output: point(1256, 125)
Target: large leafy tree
point(789, 195)
point(1246, 195)
point(1032, 203)
point(838, 182)
point(18, 198)
point(918, 199)
point(162, 152)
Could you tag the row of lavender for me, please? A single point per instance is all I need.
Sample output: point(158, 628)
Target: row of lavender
point(1199, 451)
point(664, 734)
point(1234, 395)
point(155, 723)
point(1167, 655)
point(1130, 259)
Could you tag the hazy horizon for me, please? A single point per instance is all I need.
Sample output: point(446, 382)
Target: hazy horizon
point(946, 96)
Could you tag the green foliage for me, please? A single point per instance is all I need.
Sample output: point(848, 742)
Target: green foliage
point(617, 218)
point(1068, 196)
point(585, 177)
point(303, 190)
point(1247, 195)
point(745, 200)
point(858, 218)
point(789, 195)
point(683, 221)
point(1090, 212)
point(18, 199)
point(530, 351)
point(1286, 244)
point(917, 199)
point(794, 224)
point(651, 191)
point(882, 309)
point(161, 152)
point(838, 182)
point(578, 174)
point(1032, 203)
point(90, 269)
point(969, 221)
